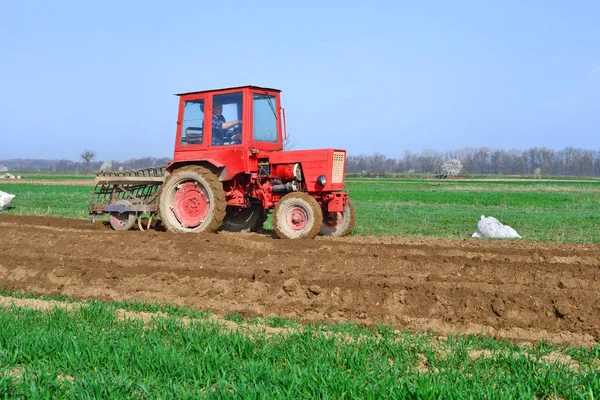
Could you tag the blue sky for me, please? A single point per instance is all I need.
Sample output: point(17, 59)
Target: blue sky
point(379, 76)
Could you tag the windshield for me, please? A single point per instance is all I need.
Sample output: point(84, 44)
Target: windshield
point(265, 118)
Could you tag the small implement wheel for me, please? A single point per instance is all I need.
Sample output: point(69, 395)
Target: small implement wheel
point(192, 200)
point(296, 216)
point(339, 223)
point(238, 219)
point(122, 221)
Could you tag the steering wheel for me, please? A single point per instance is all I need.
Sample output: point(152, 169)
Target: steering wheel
point(234, 134)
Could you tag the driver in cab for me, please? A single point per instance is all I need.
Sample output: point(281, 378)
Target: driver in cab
point(220, 127)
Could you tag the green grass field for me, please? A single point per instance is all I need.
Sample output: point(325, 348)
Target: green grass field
point(89, 352)
point(539, 210)
point(48, 200)
point(54, 176)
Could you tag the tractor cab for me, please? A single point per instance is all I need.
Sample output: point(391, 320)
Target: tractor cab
point(232, 119)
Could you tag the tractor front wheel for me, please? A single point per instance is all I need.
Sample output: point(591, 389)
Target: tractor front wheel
point(192, 200)
point(238, 219)
point(296, 216)
point(339, 223)
point(122, 221)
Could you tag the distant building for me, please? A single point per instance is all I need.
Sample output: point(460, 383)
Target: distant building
point(3, 168)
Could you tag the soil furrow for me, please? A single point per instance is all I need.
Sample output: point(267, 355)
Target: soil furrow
point(513, 289)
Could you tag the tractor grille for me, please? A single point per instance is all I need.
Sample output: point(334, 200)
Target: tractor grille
point(337, 174)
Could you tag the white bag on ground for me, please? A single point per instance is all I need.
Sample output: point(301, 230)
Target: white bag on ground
point(5, 199)
point(491, 228)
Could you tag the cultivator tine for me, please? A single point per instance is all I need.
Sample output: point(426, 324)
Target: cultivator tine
point(141, 224)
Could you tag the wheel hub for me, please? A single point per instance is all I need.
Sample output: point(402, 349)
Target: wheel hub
point(297, 218)
point(191, 204)
point(119, 219)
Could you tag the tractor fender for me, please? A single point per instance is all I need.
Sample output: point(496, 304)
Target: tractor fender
point(215, 167)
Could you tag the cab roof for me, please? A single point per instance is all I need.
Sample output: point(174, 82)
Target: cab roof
point(229, 88)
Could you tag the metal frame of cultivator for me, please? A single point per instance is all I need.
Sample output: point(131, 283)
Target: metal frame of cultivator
point(126, 196)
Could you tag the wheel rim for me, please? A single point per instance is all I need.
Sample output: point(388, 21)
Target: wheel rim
point(296, 218)
point(119, 220)
point(297, 215)
point(191, 204)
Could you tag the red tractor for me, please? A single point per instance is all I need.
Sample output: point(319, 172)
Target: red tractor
point(229, 170)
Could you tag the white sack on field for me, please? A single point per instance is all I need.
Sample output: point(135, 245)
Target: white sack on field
point(5, 199)
point(491, 228)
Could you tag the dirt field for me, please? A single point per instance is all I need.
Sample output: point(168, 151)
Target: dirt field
point(521, 291)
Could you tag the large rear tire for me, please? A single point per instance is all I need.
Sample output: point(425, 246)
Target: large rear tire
point(238, 219)
point(297, 216)
point(262, 218)
point(122, 221)
point(192, 200)
point(339, 223)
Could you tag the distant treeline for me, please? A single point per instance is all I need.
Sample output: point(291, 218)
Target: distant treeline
point(566, 162)
point(80, 166)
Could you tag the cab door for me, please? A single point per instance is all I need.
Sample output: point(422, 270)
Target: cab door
point(192, 121)
point(265, 120)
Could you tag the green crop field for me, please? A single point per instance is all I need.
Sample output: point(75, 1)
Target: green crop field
point(48, 200)
point(538, 210)
point(566, 211)
point(88, 351)
point(54, 176)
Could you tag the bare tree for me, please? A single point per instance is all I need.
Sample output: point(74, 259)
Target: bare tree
point(88, 156)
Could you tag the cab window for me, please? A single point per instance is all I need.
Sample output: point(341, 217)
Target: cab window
point(192, 128)
point(265, 118)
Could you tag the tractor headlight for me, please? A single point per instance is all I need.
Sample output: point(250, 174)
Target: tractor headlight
point(297, 172)
point(322, 180)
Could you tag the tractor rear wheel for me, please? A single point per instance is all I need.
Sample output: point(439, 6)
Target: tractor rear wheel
point(296, 216)
point(339, 223)
point(262, 218)
point(238, 219)
point(192, 200)
point(122, 221)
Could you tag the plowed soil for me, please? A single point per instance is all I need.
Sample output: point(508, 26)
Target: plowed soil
point(522, 291)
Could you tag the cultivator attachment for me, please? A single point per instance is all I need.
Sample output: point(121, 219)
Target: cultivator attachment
point(127, 195)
